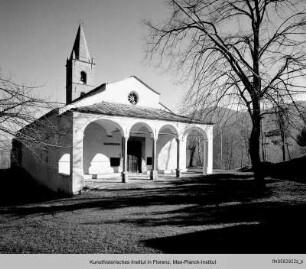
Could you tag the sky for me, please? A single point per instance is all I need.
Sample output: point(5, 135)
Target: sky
point(37, 37)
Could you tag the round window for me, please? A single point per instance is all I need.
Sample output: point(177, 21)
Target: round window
point(133, 98)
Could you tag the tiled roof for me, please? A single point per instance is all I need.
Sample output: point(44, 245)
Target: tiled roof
point(122, 110)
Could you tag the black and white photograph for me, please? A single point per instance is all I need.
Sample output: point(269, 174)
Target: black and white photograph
point(153, 133)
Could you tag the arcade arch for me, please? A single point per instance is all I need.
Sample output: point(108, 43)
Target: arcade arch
point(139, 148)
point(102, 151)
point(167, 149)
point(196, 148)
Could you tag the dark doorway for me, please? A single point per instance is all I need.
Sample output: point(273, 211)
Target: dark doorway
point(134, 155)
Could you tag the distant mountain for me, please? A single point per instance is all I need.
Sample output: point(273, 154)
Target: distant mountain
point(232, 129)
point(219, 115)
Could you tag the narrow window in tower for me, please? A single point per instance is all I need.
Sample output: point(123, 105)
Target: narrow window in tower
point(83, 77)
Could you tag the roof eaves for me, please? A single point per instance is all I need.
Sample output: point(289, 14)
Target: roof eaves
point(145, 84)
point(48, 114)
point(90, 93)
point(176, 118)
point(167, 108)
point(129, 116)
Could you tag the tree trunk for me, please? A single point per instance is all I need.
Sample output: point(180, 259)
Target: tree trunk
point(283, 145)
point(256, 115)
point(283, 150)
point(255, 150)
point(192, 151)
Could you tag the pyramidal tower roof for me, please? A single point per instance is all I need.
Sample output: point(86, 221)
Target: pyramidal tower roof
point(80, 50)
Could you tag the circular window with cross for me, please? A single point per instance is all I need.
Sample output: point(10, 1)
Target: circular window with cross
point(133, 98)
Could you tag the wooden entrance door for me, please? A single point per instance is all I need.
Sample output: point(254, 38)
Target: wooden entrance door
point(134, 156)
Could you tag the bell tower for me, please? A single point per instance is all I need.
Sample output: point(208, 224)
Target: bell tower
point(79, 68)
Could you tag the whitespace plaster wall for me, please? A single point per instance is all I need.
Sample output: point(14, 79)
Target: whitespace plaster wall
point(117, 92)
point(167, 153)
point(43, 164)
point(99, 148)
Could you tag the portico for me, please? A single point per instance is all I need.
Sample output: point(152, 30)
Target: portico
point(115, 144)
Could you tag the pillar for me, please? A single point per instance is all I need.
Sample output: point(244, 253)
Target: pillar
point(205, 153)
point(209, 162)
point(76, 161)
point(183, 142)
point(178, 170)
point(153, 173)
point(124, 174)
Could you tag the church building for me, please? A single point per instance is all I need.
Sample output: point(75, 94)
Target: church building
point(117, 129)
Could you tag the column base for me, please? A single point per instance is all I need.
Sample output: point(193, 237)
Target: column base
point(153, 175)
point(177, 172)
point(124, 177)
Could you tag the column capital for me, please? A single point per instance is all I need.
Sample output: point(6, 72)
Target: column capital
point(153, 136)
point(181, 137)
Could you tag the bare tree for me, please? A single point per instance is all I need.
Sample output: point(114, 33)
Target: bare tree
point(282, 122)
point(195, 142)
point(19, 111)
point(191, 145)
point(243, 53)
point(301, 138)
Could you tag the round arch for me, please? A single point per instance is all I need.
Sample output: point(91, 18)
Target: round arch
point(194, 128)
point(139, 147)
point(107, 123)
point(196, 148)
point(172, 128)
point(102, 148)
point(137, 126)
point(167, 149)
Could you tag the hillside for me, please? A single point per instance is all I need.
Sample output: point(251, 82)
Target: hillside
point(232, 129)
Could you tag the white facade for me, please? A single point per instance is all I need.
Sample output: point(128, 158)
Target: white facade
point(116, 129)
point(93, 147)
point(118, 92)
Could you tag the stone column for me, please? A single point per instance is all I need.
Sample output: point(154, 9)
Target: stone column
point(76, 161)
point(205, 156)
point(178, 170)
point(124, 174)
point(209, 163)
point(183, 154)
point(153, 173)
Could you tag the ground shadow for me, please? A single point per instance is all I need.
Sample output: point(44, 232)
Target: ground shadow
point(292, 170)
point(18, 187)
point(281, 230)
point(197, 192)
point(228, 212)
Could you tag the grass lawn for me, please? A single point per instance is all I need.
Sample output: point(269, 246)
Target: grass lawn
point(220, 213)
